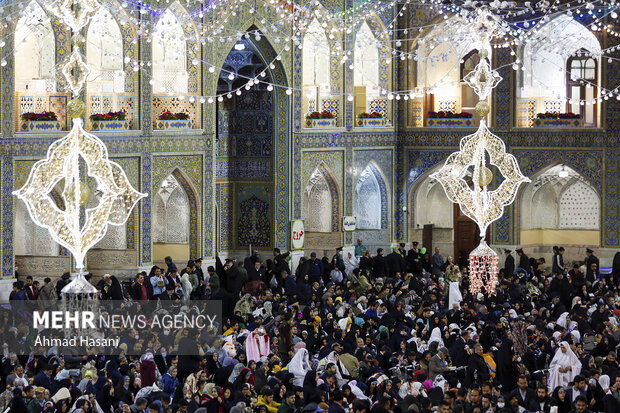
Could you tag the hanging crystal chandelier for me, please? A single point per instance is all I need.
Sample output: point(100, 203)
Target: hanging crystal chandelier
point(476, 200)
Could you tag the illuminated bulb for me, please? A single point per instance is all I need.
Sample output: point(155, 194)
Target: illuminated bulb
point(202, 100)
point(231, 77)
point(195, 61)
point(563, 173)
point(210, 100)
point(211, 69)
point(289, 92)
point(270, 88)
point(350, 98)
point(220, 99)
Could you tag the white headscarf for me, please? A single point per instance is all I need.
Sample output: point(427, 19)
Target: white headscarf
point(299, 366)
point(562, 320)
point(340, 368)
point(562, 360)
point(603, 380)
point(436, 336)
point(440, 382)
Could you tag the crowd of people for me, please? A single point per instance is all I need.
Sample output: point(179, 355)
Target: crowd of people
point(361, 333)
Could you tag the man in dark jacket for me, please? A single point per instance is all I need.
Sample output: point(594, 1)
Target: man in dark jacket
point(542, 402)
point(477, 369)
point(509, 264)
point(524, 261)
point(414, 260)
point(141, 290)
point(44, 378)
point(558, 262)
point(380, 268)
point(590, 259)
point(458, 354)
point(233, 278)
point(315, 268)
point(394, 263)
point(62, 283)
point(189, 358)
point(256, 272)
point(290, 286)
point(523, 393)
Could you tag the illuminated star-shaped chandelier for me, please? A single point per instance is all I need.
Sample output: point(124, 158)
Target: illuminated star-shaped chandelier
point(73, 13)
point(465, 176)
point(483, 79)
point(77, 228)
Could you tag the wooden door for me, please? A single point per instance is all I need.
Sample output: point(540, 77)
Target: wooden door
point(466, 234)
point(427, 237)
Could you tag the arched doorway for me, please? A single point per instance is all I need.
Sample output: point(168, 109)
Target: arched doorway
point(248, 131)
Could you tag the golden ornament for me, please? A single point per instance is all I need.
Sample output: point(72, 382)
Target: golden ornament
point(483, 108)
point(485, 177)
point(84, 192)
point(76, 108)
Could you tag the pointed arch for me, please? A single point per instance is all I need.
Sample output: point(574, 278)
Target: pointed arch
point(315, 60)
point(431, 205)
point(383, 44)
point(552, 201)
point(321, 201)
point(35, 55)
point(175, 212)
point(552, 79)
point(371, 199)
point(176, 51)
point(367, 61)
point(104, 54)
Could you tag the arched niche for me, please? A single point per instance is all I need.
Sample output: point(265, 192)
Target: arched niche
point(169, 55)
point(320, 202)
point(372, 57)
point(559, 207)
point(443, 52)
point(34, 52)
point(176, 209)
point(366, 55)
point(171, 213)
point(176, 65)
point(551, 79)
point(316, 58)
point(371, 205)
point(431, 205)
point(104, 54)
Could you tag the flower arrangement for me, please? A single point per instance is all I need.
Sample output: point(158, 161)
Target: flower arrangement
point(449, 114)
point(558, 115)
point(372, 115)
point(167, 115)
point(43, 116)
point(321, 115)
point(120, 115)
